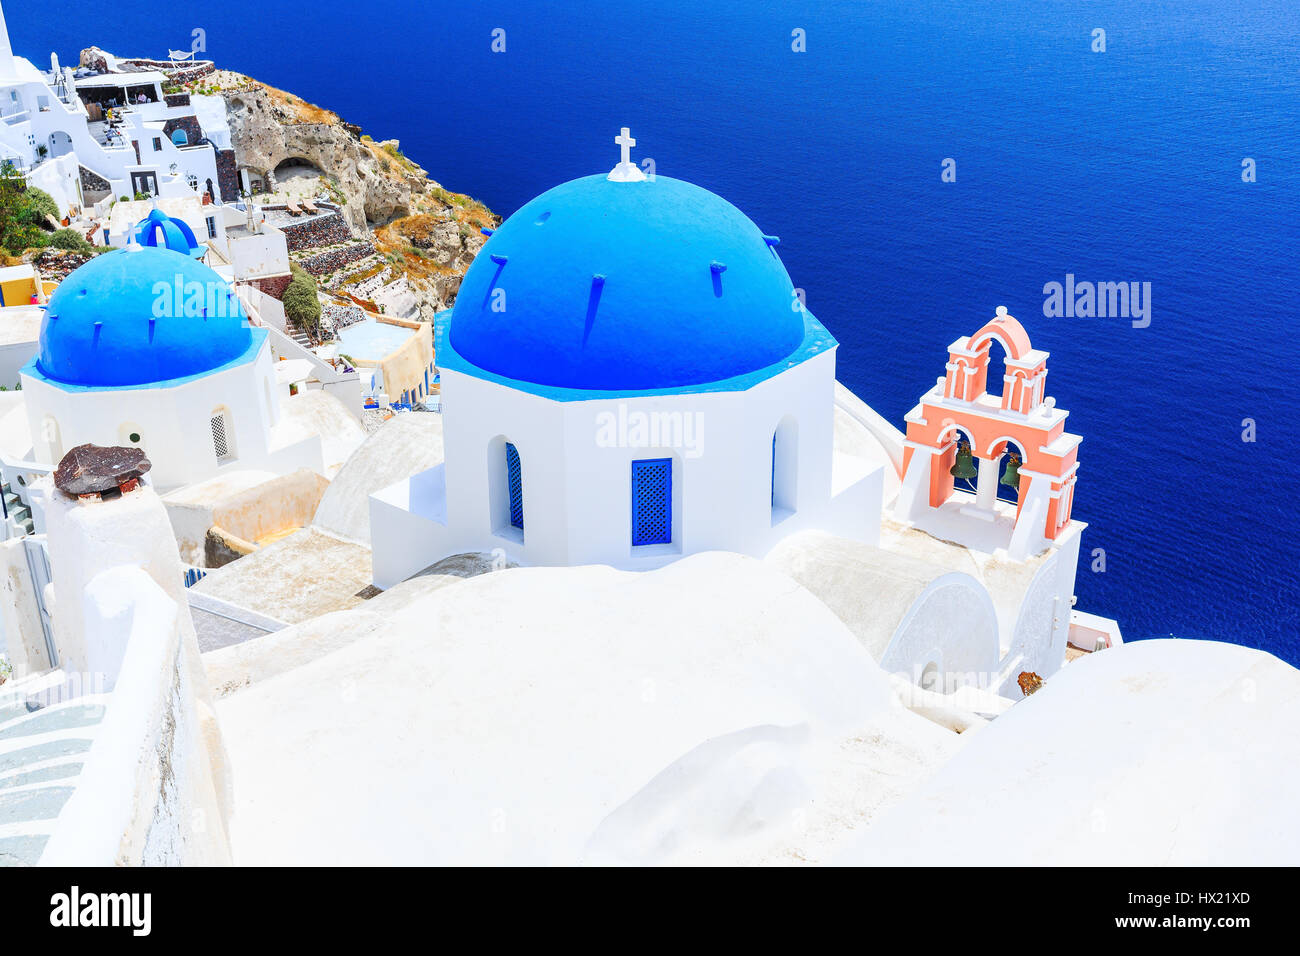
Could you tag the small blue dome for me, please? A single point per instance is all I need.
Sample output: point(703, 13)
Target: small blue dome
point(618, 286)
point(139, 316)
point(159, 229)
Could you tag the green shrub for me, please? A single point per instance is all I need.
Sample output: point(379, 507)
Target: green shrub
point(300, 302)
point(71, 240)
point(35, 204)
point(21, 215)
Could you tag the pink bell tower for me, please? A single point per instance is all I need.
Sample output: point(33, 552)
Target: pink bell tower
point(1022, 419)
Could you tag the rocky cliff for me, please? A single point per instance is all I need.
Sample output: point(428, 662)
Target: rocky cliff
point(424, 237)
point(269, 128)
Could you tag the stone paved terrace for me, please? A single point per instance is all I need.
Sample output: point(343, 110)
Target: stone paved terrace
point(44, 740)
point(280, 217)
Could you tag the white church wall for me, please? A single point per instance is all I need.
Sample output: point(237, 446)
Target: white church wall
point(721, 447)
point(603, 438)
point(1043, 623)
point(474, 414)
point(1069, 544)
point(855, 507)
point(408, 522)
point(576, 460)
point(174, 423)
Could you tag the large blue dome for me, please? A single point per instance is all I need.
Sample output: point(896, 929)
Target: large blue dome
point(139, 316)
point(623, 286)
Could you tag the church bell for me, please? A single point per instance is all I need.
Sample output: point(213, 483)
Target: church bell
point(965, 464)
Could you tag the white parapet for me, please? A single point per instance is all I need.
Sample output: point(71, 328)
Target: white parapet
point(155, 787)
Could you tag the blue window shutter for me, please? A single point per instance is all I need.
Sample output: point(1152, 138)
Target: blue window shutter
point(652, 501)
point(516, 481)
point(773, 469)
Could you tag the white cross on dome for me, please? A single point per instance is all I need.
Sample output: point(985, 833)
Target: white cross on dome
point(626, 171)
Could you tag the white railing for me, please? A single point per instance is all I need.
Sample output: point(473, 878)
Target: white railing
point(19, 475)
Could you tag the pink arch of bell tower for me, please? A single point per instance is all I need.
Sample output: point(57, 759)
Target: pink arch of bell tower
point(1007, 440)
point(1011, 335)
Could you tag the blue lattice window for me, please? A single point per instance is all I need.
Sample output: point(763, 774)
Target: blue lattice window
point(652, 501)
point(516, 483)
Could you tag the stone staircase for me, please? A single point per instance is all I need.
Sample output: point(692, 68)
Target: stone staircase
point(45, 738)
point(15, 509)
point(295, 332)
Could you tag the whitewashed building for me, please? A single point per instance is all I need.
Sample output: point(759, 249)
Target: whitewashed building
point(60, 145)
point(628, 376)
point(147, 347)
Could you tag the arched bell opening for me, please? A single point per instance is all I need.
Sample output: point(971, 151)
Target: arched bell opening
point(963, 465)
point(1010, 458)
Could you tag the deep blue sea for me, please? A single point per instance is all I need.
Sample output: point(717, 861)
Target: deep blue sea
point(1123, 165)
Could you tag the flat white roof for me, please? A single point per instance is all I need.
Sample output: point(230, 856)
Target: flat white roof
point(21, 324)
point(143, 78)
point(10, 273)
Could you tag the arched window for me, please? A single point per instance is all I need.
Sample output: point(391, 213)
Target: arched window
point(180, 137)
point(785, 469)
point(53, 439)
point(223, 438)
point(930, 677)
point(995, 380)
point(652, 501)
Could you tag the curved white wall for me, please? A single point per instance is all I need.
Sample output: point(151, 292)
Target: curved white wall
point(909, 614)
point(951, 627)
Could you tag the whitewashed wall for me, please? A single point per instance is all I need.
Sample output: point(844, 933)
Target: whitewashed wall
point(1042, 625)
point(155, 788)
point(174, 423)
point(61, 178)
point(257, 255)
point(577, 491)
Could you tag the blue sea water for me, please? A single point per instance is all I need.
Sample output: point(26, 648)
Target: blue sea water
point(1115, 166)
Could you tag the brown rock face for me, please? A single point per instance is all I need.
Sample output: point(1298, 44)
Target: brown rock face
point(96, 469)
point(418, 231)
point(268, 127)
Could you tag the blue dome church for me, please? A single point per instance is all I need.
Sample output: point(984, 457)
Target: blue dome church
point(628, 375)
point(147, 347)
